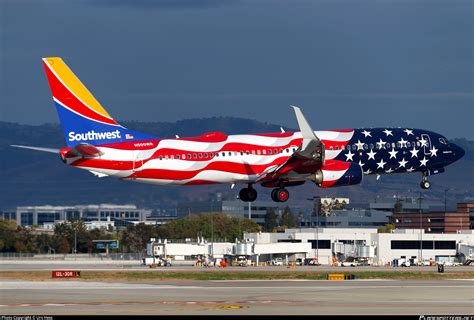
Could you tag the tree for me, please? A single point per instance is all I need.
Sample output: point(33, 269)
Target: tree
point(398, 207)
point(288, 219)
point(136, 237)
point(271, 221)
point(63, 246)
point(69, 230)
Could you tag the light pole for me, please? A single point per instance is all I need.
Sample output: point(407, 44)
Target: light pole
point(75, 239)
point(317, 224)
point(250, 211)
point(421, 231)
point(212, 236)
point(445, 201)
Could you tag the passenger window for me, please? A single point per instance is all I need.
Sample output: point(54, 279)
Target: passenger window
point(418, 143)
point(275, 151)
point(393, 145)
point(399, 145)
point(264, 151)
point(371, 146)
point(259, 152)
point(337, 147)
point(241, 153)
point(348, 147)
point(177, 156)
point(354, 147)
point(408, 144)
point(166, 157)
point(387, 145)
point(200, 155)
point(230, 153)
point(160, 157)
point(205, 155)
point(217, 154)
point(189, 156)
point(269, 151)
point(247, 152)
point(287, 150)
point(366, 146)
point(330, 148)
point(194, 156)
point(171, 157)
point(223, 154)
point(253, 151)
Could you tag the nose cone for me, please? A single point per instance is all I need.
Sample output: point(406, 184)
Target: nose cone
point(458, 152)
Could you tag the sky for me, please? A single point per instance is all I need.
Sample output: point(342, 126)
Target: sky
point(346, 63)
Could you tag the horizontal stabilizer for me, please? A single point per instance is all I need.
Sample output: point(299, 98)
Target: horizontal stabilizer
point(50, 150)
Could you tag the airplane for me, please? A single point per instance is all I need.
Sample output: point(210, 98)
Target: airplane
point(333, 158)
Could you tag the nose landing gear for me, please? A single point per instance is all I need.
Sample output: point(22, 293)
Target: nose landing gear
point(425, 184)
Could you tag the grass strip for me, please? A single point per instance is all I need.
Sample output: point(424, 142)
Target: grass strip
point(207, 275)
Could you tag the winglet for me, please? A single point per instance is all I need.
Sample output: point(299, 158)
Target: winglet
point(311, 146)
point(306, 131)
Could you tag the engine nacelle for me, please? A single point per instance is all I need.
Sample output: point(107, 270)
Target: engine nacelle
point(335, 173)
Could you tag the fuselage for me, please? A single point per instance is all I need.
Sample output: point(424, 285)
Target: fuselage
point(245, 158)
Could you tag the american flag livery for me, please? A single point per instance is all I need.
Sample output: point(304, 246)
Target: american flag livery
point(96, 142)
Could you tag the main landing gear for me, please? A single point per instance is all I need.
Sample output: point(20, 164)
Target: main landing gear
point(425, 184)
point(280, 194)
point(248, 194)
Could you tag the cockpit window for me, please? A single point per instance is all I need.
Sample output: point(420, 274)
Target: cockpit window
point(443, 141)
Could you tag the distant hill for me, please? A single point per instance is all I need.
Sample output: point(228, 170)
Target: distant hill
point(35, 178)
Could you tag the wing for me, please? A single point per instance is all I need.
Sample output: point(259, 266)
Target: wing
point(308, 158)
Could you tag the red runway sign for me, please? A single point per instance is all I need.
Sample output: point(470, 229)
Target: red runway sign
point(66, 274)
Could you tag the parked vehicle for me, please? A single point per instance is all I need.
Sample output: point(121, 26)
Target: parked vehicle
point(312, 262)
point(277, 262)
point(298, 262)
point(404, 263)
point(350, 262)
point(242, 261)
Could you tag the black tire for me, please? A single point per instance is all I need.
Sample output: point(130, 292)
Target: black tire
point(251, 194)
point(274, 198)
point(243, 195)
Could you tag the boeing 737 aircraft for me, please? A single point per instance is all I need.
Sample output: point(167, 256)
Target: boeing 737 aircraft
point(97, 143)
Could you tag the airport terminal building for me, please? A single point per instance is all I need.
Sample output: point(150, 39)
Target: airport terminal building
point(330, 246)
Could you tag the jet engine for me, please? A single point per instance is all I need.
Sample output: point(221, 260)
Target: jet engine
point(335, 173)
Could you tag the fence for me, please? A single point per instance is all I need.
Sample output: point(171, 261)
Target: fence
point(79, 256)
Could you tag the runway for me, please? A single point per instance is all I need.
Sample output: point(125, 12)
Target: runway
point(279, 297)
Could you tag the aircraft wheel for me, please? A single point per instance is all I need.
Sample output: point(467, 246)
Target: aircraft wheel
point(425, 184)
point(251, 194)
point(243, 195)
point(282, 195)
point(248, 194)
point(274, 198)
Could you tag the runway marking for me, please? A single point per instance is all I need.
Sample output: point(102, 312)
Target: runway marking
point(79, 285)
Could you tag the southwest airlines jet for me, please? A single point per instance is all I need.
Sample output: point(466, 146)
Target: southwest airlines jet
point(97, 143)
